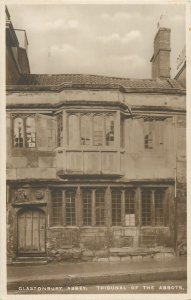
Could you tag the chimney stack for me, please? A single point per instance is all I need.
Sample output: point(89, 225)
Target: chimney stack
point(161, 57)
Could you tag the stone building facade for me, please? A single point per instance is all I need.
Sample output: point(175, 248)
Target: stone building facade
point(93, 162)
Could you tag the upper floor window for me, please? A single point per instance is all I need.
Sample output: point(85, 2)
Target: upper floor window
point(85, 132)
point(30, 132)
point(24, 129)
point(91, 129)
point(18, 128)
point(109, 135)
point(154, 132)
point(73, 130)
point(149, 141)
point(98, 131)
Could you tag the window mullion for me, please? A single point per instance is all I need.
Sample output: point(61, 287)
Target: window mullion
point(64, 208)
point(93, 208)
point(108, 207)
point(104, 116)
point(24, 132)
point(123, 207)
point(153, 207)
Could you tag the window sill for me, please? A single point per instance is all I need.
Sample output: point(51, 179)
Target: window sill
point(89, 149)
point(155, 226)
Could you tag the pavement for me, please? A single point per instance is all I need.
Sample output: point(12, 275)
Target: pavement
point(92, 273)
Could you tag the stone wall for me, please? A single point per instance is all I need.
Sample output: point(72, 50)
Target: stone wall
point(102, 244)
point(181, 196)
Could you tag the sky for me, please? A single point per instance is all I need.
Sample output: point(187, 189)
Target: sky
point(103, 39)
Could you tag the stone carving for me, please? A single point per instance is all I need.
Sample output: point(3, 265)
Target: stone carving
point(39, 195)
point(21, 195)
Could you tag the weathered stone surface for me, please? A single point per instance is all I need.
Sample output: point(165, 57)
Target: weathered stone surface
point(103, 259)
point(88, 253)
point(101, 253)
point(114, 259)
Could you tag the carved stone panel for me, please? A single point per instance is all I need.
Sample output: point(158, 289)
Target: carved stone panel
point(22, 195)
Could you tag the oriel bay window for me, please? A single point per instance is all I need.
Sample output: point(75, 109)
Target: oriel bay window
point(24, 132)
point(91, 129)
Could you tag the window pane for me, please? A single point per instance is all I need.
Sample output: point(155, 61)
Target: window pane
point(116, 207)
point(98, 130)
point(100, 207)
point(73, 130)
point(85, 130)
point(30, 132)
point(159, 211)
point(109, 130)
point(59, 130)
point(149, 141)
point(87, 207)
point(57, 208)
point(70, 208)
point(146, 208)
point(18, 133)
point(129, 208)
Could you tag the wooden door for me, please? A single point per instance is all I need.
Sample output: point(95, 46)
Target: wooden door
point(31, 231)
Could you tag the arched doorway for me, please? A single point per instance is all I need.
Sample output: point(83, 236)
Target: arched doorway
point(31, 231)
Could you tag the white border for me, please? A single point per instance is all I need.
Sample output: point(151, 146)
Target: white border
point(3, 293)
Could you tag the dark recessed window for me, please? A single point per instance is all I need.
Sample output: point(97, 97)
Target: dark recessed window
point(57, 208)
point(87, 207)
point(129, 208)
point(100, 207)
point(70, 207)
point(116, 207)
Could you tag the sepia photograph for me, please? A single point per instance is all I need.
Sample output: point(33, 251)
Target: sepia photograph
point(96, 148)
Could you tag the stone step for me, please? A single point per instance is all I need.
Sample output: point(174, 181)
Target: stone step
point(27, 260)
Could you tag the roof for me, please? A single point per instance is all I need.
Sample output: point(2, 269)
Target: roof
point(54, 82)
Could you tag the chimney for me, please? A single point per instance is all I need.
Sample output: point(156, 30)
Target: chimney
point(161, 57)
